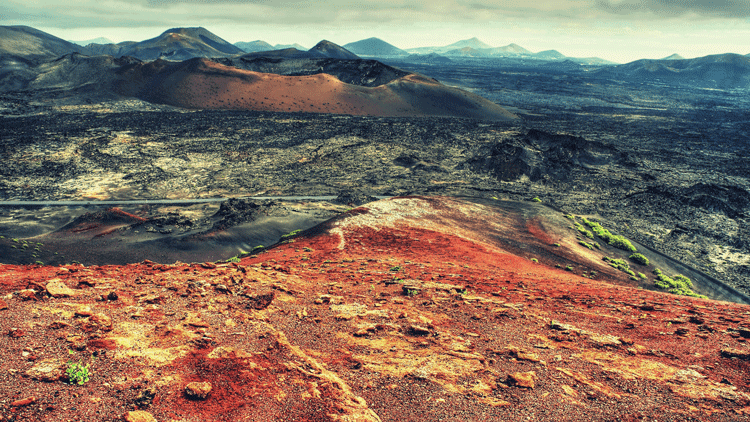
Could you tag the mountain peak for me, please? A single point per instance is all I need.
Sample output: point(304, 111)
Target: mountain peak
point(374, 47)
point(471, 42)
point(332, 50)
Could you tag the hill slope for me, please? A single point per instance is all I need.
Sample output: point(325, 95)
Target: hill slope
point(400, 310)
point(200, 83)
point(34, 45)
point(374, 47)
point(182, 44)
point(726, 71)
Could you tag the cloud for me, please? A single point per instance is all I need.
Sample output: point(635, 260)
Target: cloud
point(732, 9)
point(345, 14)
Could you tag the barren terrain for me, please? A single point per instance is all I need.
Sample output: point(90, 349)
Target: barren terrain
point(404, 309)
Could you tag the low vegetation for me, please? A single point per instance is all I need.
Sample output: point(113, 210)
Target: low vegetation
point(619, 264)
point(77, 373)
point(639, 259)
point(617, 241)
point(679, 284)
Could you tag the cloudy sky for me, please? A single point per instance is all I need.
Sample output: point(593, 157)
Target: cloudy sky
point(617, 30)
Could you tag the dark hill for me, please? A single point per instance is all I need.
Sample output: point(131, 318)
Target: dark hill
point(374, 47)
point(723, 71)
point(331, 50)
point(33, 45)
point(182, 44)
point(369, 73)
point(254, 46)
point(549, 55)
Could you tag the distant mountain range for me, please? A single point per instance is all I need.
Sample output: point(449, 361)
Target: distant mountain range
point(723, 71)
point(24, 51)
point(259, 45)
point(470, 48)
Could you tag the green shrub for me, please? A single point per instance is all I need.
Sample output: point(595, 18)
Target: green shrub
point(678, 285)
point(639, 259)
point(583, 230)
point(586, 245)
point(620, 264)
point(617, 241)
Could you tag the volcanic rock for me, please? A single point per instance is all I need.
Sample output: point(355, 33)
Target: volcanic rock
point(198, 390)
point(56, 288)
point(49, 370)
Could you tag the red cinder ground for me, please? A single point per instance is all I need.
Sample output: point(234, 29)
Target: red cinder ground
point(406, 309)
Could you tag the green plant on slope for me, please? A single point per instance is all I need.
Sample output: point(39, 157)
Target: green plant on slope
point(617, 241)
point(678, 285)
point(639, 259)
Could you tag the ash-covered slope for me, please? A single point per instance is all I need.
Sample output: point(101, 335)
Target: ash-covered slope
point(400, 310)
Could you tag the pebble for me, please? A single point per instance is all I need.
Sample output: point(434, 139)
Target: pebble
point(198, 390)
point(138, 416)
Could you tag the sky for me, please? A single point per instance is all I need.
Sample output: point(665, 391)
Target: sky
point(616, 30)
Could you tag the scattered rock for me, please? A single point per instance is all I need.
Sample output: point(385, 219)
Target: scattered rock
point(198, 390)
point(56, 325)
point(261, 301)
point(522, 379)
point(138, 416)
point(16, 333)
point(3, 305)
point(27, 294)
point(56, 288)
point(145, 397)
point(48, 370)
point(23, 402)
point(418, 330)
point(735, 353)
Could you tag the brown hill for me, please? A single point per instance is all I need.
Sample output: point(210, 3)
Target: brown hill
point(400, 310)
point(202, 84)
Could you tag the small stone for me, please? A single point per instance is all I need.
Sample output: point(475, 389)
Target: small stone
point(3, 305)
point(23, 402)
point(16, 333)
point(522, 379)
point(27, 294)
point(418, 330)
point(112, 296)
point(138, 416)
point(102, 321)
point(198, 390)
point(56, 288)
point(56, 325)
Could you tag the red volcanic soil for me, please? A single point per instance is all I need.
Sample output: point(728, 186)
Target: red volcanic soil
point(400, 310)
point(202, 84)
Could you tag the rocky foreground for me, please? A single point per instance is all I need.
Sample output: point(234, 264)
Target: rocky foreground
point(402, 309)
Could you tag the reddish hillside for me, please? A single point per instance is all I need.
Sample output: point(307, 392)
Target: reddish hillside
point(400, 310)
point(202, 84)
